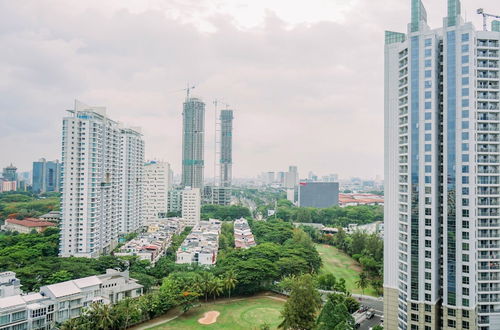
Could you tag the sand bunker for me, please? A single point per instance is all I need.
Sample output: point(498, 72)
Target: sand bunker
point(209, 317)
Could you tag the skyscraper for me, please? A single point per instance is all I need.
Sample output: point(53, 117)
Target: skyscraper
point(193, 138)
point(226, 147)
point(10, 173)
point(100, 181)
point(442, 159)
point(46, 176)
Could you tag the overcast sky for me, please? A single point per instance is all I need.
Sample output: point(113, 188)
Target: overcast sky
point(305, 78)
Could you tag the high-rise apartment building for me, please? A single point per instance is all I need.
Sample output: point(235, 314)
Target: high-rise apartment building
point(100, 183)
point(46, 176)
point(191, 205)
point(226, 147)
point(131, 183)
point(156, 189)
point(442, 165)
point(193, 139)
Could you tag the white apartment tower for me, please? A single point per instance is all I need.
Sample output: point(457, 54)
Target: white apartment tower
point(191, 205)
point(442, 166)
point(156, 187)
point(100, 181)
point(131, 166)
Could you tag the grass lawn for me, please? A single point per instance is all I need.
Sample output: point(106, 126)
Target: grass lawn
point(342, 266)
point(247, 313)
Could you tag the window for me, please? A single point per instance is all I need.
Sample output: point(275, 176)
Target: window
point(428, 52)
point(428, 116)
point(428, 126)
point(428, 95)
point(465, 280)
point(428, 308)
point(465, 180)
point(428, 158)
point(414, 317)
point(428, 276)
point(428, 42)
point(465, 37)
point(452, 324)
point(465, 113)
point(465, 158)
point(465, 81)
point(428, 63)
point(428, 74)
point(428, 84)
point(427, 147)
point(451, 312)
point(465, 246)
point(428, 319)
point(465, 102)
point(465, 325)
point(465, 59)
point(465, 135)
point(465, 314)
point(465, 48)
point(465, 124)
point(428, 105)
point(465, 70)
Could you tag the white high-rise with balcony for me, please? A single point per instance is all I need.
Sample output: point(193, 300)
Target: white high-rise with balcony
point(156, 187)
point(442, 167)
point(191, 205)
point(101, 182)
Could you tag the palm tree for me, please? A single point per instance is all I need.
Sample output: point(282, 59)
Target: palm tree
point(362, 282)
point(229, 281)
point(216, 287)
point(101, 315)
point(204, 282)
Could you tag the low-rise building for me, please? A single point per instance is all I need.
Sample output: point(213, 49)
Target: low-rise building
point(153, 244)
point(6, 185)
point(52, 216)
point(9, 284)
point(27, 225)
point(201, 245)
point(243, 237)
point(57, 303)
point(355, 199)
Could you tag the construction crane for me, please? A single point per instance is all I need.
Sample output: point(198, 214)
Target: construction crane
point(480, 11)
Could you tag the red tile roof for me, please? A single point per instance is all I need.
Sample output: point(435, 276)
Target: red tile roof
point(31, 222)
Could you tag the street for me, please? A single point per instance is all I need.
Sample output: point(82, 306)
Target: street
point(367, 324)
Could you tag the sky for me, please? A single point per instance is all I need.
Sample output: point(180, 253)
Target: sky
point(305, 78)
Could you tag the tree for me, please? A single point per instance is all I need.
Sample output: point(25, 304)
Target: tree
point(60, 276)
point(204, 282)
point(300, 309)
point(352, 304)
point(216, 287)
point(335, 314)
point(362, 282)
point(229, 281)
point(101, 316)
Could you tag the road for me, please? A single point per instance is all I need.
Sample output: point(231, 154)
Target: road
point(367, 324)
point(376, 303)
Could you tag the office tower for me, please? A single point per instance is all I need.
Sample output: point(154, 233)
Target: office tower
point(10, 173)
point(291, 177)
point(191, 205)
point(442, 225)
point(318, 194)
point(131, 179)
point(96, 178)
point(156, 189)
point(193, 136)
point(46, 176)
point(226, 147)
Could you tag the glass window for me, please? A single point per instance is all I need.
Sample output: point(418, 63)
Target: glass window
point(428, 105)
point(465, 158)
point(428, 137)
point(465, 59)
point(465, 102)
point(428, 52)
point(465, 70)
point(465, 48)
point(428, 63)
point(428, 158)
point(428, 42)
point(428, 74)
point(465, 125)
point(428, 116)
point(428, 168)
point(428, 84)
point(465, 147)
point(428, 179)
point(428, 94)
point(465, 136)
point(465, 114)
point(465, 81)
point(465, 169)
point(465, 180)
point(465, 92)
point(428, 126)
point(428, 147)
point(465, 37)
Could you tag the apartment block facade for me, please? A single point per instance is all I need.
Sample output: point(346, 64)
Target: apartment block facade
point(101, 182)
point(157, 185)
point(442, 166)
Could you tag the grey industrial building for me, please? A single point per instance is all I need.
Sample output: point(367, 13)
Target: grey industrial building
point(318, 194)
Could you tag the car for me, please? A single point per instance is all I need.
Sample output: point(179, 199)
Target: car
point(369, 314)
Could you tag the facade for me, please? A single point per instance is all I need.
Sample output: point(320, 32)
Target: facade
point(243, 237)
point(57, 303)
point(27, 225)
point(318, 194)
point(131, 179)
point(10, 285)
point(153, 244)
point(191, 205)
point(156, 189)
point(46, 176)
point(7, 185)
point(9, 173)
point(201, 245)
point(100, 182)
point(442, 165)
point(226, 147)
point(193, 140)
point(175, 200)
